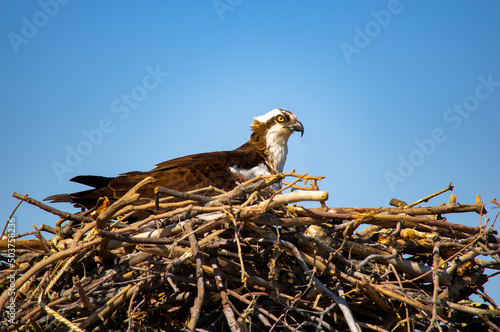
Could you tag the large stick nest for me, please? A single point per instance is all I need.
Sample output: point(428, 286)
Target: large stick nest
point(252, 260)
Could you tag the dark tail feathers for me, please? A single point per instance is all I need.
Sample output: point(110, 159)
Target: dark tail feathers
point(87, 198)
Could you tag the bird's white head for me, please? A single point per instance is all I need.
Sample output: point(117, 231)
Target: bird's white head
point(271, 131)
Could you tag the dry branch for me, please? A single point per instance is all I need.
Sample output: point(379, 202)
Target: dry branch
point(267, 264)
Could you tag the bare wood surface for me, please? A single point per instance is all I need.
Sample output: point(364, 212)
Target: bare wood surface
point(200, 285)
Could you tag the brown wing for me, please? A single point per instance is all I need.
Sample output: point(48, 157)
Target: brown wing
point(190, 172)
point(181, 174)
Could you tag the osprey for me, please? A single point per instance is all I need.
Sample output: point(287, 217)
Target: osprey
point(264, 154)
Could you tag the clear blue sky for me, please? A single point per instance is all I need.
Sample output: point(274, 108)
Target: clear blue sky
point(398, 98)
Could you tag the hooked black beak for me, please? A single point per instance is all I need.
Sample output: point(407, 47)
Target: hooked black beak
point(297, 126)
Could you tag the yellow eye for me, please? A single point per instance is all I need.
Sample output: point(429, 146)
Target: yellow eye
point(280, 118)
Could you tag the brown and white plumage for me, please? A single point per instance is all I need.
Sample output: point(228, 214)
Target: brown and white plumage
point(265, 153)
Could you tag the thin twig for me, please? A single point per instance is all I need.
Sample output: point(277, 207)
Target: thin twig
point(427, 198)
point(10, 217)
point(45, 207)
